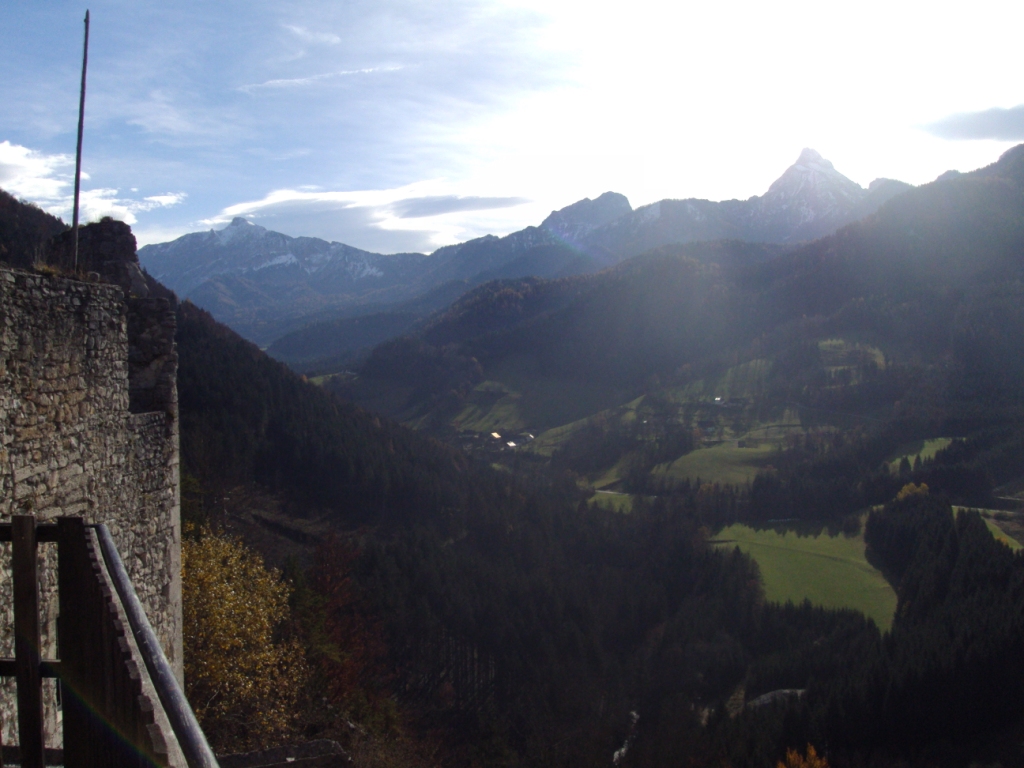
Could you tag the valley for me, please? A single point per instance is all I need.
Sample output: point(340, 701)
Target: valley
point(719, 362)
point(513, 508)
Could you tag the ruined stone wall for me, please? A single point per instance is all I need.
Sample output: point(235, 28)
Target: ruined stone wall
point(88, 426)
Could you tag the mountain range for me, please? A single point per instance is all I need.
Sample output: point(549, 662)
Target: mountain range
point(265, 284)
point(929, 284)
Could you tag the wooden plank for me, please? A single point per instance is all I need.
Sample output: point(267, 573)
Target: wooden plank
point(47, 668)
point(44, 532)
point(74, 574)
point(27, 645)
point(12, 756)
point(99, 736)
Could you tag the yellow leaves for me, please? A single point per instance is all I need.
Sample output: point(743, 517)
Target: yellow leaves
point(242, 681)
point(910, 489)
point(795, 760)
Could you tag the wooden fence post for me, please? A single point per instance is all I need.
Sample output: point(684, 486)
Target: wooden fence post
point(73, 583)
point(27, 645)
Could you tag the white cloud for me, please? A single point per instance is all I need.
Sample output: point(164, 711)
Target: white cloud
point(94, 204)
point(376, 200)
point(164, 201)
point(461, 214)
point(149, 234)
point(306, 35)
point(48, 180)
point(33, 175)
point(294, 82)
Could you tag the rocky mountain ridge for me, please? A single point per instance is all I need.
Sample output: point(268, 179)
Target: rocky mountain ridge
point(810, 200)
point(246, 248)
point(265, 284)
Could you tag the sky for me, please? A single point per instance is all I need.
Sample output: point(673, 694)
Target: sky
point(396, 125)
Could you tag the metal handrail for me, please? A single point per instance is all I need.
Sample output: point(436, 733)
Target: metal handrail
point(183, 721)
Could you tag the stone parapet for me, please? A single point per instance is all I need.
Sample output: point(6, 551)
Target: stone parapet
point(89, 427)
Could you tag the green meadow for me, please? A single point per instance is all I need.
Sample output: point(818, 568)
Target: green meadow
point(830, 571)
point(746, 380)
point(551, 439)
point(1001, 535)
point(926, 449)
point(723, 463)
point(517, 396)
point(990, 516)
point(827, 570)
point(616, 502)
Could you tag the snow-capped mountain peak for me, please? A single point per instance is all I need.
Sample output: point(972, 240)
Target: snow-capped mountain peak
point(812, 175)
point(810, 198)
point(243, 248)
point(259, 280)
point(238, 228)
point(810, 158)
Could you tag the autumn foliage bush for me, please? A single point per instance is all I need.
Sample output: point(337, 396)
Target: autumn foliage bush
point(811, 759)
point(243, 676)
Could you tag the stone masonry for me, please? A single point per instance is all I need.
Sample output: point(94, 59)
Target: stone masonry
point(89, 426)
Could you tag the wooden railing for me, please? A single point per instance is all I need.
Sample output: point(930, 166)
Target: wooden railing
point(120, 701)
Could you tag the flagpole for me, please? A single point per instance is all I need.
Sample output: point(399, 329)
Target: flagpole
point(81, 124)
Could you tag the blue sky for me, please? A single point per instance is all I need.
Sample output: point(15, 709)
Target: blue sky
point(407, 125)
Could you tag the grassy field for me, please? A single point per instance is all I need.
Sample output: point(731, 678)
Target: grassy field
point(787, 423)
point(827, 570)
point(992, 523)
point(926, 449)
point(550, 440)
point(607, 479)
point(518, 397)
point(491, 407)
point(1002, 536)
point(724, 463)
point(745, 381)
point(617, 502)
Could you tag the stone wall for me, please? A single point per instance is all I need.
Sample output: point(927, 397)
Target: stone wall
point(88, 426)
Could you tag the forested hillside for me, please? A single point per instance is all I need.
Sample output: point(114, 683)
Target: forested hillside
point(246, 418)
point(514, 622)
point(903, 327)
point(24, 231)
